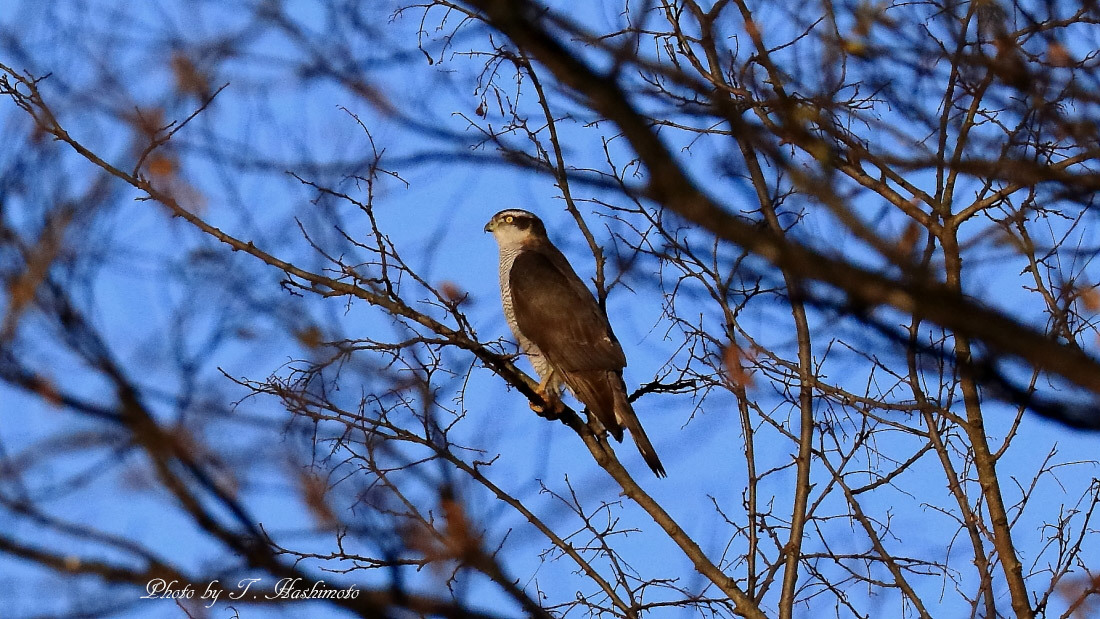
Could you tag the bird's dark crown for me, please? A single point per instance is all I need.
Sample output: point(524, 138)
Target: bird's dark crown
point(519, 218)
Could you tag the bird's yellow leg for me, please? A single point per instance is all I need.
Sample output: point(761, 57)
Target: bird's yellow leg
point(551, 396)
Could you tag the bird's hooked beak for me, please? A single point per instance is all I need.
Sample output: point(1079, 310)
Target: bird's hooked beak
point(489, 226)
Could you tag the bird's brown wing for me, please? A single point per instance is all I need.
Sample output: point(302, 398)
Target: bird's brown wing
point(555, 310)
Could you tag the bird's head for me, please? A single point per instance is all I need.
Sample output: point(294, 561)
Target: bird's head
point(516, 227)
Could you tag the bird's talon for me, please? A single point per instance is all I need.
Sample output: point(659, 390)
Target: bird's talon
point(551, 410)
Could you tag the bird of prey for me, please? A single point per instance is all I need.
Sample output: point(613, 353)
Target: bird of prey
point(562, 329)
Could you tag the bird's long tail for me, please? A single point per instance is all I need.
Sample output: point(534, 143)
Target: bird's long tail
point(604, 393)
point(624, 414)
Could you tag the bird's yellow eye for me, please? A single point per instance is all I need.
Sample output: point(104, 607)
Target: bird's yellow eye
point(508, 219)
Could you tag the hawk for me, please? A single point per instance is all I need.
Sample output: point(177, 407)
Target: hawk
point(561, 328)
